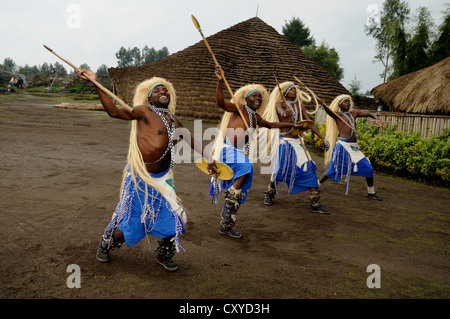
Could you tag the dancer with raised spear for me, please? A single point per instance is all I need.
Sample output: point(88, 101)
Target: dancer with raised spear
point(148, 203)
point(235, 146)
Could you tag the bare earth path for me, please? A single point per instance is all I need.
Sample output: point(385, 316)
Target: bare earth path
point(61, 173)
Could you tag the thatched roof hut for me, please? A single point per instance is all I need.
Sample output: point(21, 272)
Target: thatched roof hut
point(249, 52)
point(426, 91)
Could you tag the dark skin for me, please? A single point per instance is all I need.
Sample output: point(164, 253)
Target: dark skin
point(285, 115)
point(344, 130)
point(152, 135)
point(238, 130)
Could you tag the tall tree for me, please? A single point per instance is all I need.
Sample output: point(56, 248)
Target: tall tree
point(400, 54)
point(441, 47)
point(136, 57)
point(102, 70)
point(385, 29)
point(300, 35)
point(296, 32)
point(59, 68)
point(418, 48)
point(9, 65)
point(123, 58)
point(326, 57)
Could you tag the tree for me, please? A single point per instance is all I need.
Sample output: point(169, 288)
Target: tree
point(326, 57)
point(418, 48)
point(355, 87)
point(441, 47)
point(9, 65)
point(59, 68)
point(391, 23)
point(148, 55)
point(46, 68)
point(296, 32)
point(136, 57)
point(400, 53)
point(123, 58)
point(102, 70)
point(162, 53)
point(85, 66)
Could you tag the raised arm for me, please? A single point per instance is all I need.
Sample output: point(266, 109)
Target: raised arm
point(113, 110)
point(227, 106)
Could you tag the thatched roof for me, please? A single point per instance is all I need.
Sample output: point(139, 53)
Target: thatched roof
point(249, 52)
point(426, 91)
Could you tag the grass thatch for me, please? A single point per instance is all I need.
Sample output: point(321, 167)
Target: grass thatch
point(426, 91)
point(249, 52)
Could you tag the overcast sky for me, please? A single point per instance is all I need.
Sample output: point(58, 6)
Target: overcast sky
point(92, 31)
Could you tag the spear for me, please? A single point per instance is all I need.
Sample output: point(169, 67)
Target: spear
point(337, 115)
point(293, 120)
point(197, 25)
point(101, 87)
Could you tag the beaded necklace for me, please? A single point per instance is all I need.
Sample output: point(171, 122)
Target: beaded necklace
point(170, 131)
point(251, 115)
point(294, 112)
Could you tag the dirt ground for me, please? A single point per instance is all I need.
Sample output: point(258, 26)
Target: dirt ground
point(61, 174)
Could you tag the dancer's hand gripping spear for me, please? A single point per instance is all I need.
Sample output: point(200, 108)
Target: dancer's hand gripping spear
point(97, 84)
point(197, 25)
point(324, 105)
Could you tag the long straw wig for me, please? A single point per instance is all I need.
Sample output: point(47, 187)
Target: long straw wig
point(269, 139)
point(135, 161)
point(239, 97)
point(332, 129)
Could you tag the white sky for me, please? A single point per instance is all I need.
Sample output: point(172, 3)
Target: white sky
point(92, 31)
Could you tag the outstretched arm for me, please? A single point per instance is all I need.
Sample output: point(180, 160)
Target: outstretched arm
point(327, 109)
point(267, 124)
point(185, 134)
point(364, 114)
point(113, 110)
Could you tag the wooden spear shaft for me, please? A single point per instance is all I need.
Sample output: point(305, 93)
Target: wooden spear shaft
point(293, 120)
point(197, 25)
point(337, 115)
point(98, 84)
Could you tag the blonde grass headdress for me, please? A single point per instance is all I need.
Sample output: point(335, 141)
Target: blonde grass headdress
point(269, 139)
point(332, 129)
point(239, 96)
point(135, 161)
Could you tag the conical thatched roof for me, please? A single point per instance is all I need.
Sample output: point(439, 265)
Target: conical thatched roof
point(426, 91)
point(249, 52)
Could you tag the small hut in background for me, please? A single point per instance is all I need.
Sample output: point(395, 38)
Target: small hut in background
point(249, 52)
point(418, 101)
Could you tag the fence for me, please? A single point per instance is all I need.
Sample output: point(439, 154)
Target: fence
point(427, 125)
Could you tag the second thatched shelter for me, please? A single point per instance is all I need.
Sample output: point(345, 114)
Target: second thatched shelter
point(426, 91)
